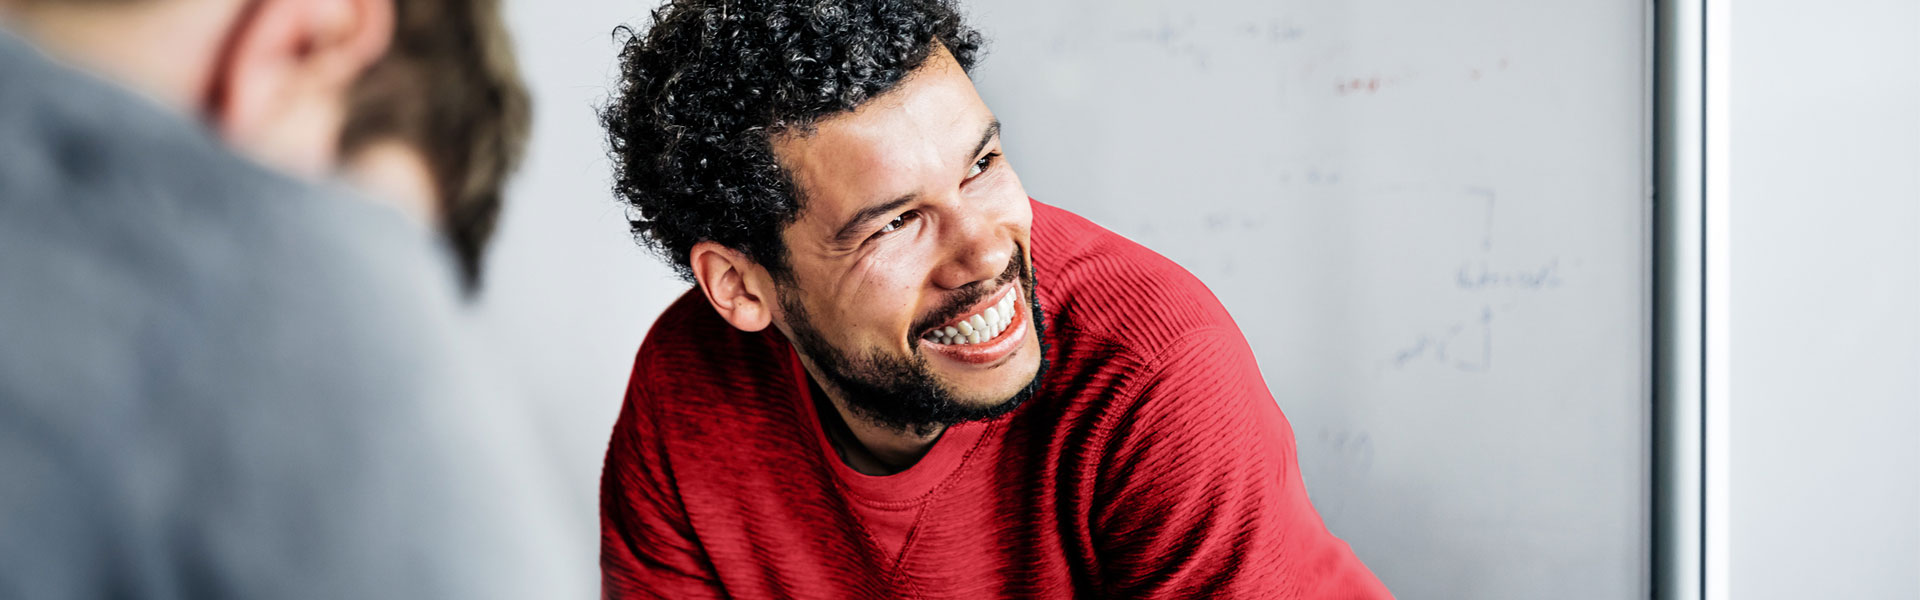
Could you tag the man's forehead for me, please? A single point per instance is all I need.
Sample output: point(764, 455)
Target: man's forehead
point(889, 146)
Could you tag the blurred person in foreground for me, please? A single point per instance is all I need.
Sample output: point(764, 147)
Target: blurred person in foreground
point(219, 375)
point(898, 375)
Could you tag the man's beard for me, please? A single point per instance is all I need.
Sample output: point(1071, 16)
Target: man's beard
point(903, 394)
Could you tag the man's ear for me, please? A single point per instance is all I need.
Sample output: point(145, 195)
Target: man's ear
point(737, 287)
point(281, 89)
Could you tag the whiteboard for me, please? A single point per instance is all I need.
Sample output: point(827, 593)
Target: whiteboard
point(1431, 222)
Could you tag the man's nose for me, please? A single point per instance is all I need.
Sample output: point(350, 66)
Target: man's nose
point(980, 251)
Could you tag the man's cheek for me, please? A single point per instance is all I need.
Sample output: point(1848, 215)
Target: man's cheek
point(886, 286)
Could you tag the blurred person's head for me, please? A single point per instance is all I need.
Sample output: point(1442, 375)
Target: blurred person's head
point(272, 77)
point(826, 167)
point(419, 100)
point(438, 123)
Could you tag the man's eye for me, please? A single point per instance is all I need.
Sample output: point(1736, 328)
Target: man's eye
point(980, 166)
point(896, 223)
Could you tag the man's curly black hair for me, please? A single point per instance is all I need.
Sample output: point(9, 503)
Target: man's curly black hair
point(704, 91)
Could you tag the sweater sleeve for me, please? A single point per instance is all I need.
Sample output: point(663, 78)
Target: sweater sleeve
point(1201, 494)
point(647, 548)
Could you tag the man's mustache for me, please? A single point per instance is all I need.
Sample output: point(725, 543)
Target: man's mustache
point(965, 298)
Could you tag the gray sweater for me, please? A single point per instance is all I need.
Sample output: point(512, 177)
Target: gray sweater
point(217, 382)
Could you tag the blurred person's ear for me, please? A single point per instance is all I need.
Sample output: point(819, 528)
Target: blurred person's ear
point(280, 88)
point(738, 288)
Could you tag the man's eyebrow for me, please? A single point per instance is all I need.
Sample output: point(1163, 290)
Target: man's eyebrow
point(852, 228)
point(993, 130)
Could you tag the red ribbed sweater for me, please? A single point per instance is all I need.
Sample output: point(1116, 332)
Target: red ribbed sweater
point(1152, 463)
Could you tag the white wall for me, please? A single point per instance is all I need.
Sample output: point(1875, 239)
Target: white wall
point(568, 292)
point(1825, 299)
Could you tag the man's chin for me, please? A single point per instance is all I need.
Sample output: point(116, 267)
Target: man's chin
point(976, 389)
point(995, 398)
point(986, 409)
point(986, 403)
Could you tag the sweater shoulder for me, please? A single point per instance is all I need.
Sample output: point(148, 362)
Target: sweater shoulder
point(1098, 286)
point(694, 361)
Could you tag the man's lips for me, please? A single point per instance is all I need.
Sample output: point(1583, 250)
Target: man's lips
point(990, 300)
point(986, 338)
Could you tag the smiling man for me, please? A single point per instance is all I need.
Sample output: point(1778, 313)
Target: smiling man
point(899, 376)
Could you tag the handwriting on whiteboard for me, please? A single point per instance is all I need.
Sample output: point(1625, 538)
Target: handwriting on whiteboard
point(1195, 40)
point(1477, 276)
point(1467, 344)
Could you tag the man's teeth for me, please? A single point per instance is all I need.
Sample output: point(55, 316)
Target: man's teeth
point(978, 328)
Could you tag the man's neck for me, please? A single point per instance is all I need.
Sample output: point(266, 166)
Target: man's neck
point(867, 447)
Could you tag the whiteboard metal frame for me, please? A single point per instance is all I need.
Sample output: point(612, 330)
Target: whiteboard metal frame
point(1692, 398)
point(1680, 268)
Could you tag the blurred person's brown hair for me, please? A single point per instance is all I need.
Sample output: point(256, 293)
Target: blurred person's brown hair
point(449, 89)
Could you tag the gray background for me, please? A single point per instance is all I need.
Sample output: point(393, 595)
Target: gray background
point(1429, 220)
point(1825, 285)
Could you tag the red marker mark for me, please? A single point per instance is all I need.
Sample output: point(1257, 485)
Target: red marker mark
point(1371, 84)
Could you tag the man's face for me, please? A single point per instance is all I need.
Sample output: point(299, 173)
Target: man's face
point(912, 224)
